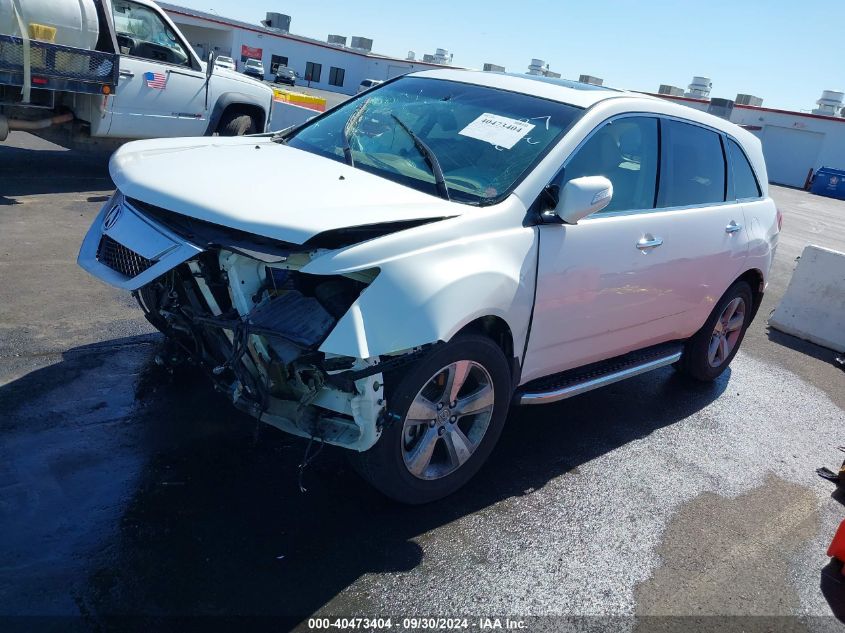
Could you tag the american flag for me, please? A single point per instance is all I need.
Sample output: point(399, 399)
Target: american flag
point(155, 80)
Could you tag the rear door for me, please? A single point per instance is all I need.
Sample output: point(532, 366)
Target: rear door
point(649, 267)
point(160, 91)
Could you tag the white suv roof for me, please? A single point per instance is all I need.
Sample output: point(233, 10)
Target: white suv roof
point(583, 95)
point(563, 90)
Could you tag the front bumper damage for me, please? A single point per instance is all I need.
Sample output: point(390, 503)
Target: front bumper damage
point(239, 307)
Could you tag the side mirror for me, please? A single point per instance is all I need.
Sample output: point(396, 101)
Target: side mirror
point(582, 196)
point(209, 67)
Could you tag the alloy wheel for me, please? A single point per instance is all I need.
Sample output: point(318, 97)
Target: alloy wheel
point(447, 420)
point(726, 334)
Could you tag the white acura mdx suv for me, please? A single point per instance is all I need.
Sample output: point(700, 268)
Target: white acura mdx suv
point(448, 243)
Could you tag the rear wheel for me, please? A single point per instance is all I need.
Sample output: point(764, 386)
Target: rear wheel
point(449, 412)
point(713, 347)
point(236, 123)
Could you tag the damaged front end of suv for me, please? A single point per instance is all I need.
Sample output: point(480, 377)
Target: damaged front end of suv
point(240, 306)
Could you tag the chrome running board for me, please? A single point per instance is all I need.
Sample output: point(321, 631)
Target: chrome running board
point(580, 380)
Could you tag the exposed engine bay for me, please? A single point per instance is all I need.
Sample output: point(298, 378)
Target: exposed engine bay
point(241, 309)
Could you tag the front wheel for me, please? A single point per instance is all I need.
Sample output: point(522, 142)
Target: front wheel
point(236, 124)
point(449, 412)
point(711, 350)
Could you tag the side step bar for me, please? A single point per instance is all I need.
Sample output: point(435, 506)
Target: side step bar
point(580, 380)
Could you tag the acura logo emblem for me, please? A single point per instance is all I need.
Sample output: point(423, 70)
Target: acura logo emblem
point(112, 217)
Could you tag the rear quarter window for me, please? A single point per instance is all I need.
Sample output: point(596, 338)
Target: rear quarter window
point(744, 182)
point(692, 165)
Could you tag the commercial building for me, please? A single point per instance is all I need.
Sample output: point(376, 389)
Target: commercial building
point(329, 64)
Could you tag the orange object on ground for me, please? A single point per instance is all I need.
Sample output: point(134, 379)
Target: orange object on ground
point(837, 545)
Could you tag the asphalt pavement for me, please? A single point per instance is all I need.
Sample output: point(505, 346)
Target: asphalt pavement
point(126, 492)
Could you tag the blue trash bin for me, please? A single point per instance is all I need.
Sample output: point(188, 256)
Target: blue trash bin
point(829, 182)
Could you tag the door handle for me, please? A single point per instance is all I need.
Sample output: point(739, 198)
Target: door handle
point(732, 227)
point(649, 241)
point(126, 73)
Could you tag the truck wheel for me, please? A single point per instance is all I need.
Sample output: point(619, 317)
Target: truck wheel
point(236, 124)
point(448, 412)
point(709, 352)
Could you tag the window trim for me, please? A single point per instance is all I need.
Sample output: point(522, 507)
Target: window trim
point(319, 73)
point(188, 50)
point(656, 115)
point(333, 72)
point(718, 133)
point(753, 172)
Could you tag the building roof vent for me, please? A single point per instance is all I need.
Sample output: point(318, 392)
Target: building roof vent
point(829, 103)
point(337, 40)
point(277, 22)
point(700, 88)
point(493, 68)
point(442, 56)
point(721, 108)
point(589, 79)
point(537, 67)
point(749, 100)
point(361, 43)
point(670, 91)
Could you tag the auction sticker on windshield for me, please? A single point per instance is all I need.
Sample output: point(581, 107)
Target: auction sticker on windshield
point(497, 130)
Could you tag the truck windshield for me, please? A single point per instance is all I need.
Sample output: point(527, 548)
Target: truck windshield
point(485, 139)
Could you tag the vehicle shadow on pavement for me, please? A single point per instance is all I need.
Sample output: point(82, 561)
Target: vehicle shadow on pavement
point(207, 521)
point(799, 345)
point(28, 172)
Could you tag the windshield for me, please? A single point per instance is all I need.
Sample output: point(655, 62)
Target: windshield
point(484, 139)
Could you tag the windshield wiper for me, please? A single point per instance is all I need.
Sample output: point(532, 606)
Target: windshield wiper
point(349, 127)
point(429, 156)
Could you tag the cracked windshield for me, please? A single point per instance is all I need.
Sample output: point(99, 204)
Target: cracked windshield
point(482, 140)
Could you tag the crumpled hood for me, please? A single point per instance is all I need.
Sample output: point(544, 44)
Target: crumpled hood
point(262, 187)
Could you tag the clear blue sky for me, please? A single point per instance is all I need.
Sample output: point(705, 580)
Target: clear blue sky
point(783, 51)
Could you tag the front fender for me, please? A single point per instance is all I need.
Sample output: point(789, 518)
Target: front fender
point(238, 97)
point(428, 295)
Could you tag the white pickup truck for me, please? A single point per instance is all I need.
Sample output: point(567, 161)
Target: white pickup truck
point(105, 71)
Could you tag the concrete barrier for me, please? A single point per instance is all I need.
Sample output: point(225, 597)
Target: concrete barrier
point(813, 307)
point(300, 98)
point(286, 114)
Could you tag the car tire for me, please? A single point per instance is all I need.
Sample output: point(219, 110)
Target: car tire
point(709, 352)
point(460, 444)
point(236, 124)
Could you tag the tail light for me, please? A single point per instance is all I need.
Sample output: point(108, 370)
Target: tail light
point(780, 219)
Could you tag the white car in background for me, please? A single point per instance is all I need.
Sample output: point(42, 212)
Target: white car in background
point(254, 68)
point(221, 61)
point(450, 243)
point(366, 84)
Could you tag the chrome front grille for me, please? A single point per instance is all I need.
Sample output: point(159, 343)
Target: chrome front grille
point(117, 257)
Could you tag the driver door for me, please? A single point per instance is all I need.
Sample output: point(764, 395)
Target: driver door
point(159, 92)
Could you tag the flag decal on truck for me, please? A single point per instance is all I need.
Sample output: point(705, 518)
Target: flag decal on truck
point(156, 80)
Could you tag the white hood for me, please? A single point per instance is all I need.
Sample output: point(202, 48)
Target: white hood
point(262, 187)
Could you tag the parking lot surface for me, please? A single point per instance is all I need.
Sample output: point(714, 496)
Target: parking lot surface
point(125, 491)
